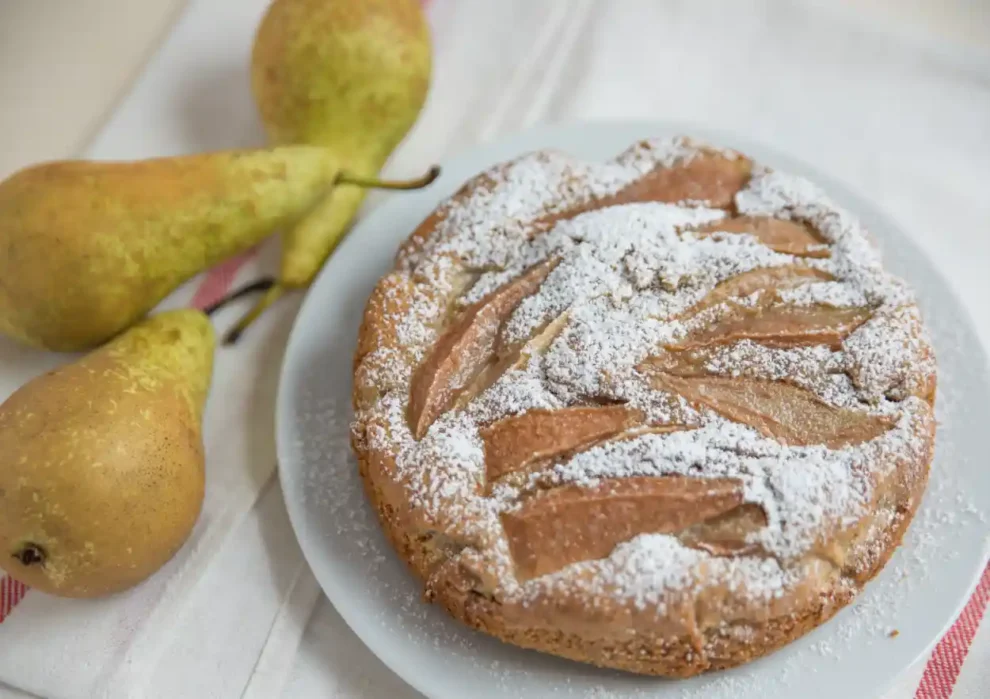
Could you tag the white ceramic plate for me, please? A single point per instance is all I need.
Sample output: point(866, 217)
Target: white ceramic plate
point(918, 594)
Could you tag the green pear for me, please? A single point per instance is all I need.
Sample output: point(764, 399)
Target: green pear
point(350, 75)
point(88, 248)
point(101, 461)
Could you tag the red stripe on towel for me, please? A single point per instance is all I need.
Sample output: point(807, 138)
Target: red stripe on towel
point(946, 660)
point(11, 592)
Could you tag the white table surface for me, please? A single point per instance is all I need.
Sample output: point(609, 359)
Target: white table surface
point(891, 97)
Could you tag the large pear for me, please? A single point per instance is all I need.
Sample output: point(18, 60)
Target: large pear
point(349, 75)
point(101, 461)
point(88, 248)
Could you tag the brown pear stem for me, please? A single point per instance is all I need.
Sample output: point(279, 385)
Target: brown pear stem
point(31, 554)
point(263, 284)
point(273, 294)
point(375, 183)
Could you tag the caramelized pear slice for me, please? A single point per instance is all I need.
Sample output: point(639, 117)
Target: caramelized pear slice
point(728, 534)
point(466, 348)
point(555, 528)
point(515, 442)
point(708, 178)
point(791, 415)
point(509, 358)
point(763, 279)
point(788, 237)
point(779, 326)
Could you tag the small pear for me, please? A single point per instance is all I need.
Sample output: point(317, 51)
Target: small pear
point(350, 75)
point(88, 248)
point(101, 461)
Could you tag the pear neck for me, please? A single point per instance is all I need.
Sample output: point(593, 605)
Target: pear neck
point(361, 166)
point(172, 348)
point(358, 158)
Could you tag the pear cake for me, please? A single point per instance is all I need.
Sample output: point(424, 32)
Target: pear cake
point(664, 413)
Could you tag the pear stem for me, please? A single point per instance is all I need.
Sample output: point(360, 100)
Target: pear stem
point(274, 291)
point(375, 183)
point(261, 285)
point(273, 294)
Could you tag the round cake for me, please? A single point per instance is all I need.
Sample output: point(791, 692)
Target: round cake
point(664, 413)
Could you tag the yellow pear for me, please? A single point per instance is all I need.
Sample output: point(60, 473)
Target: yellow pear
point(87, 248)
point(350, 75)
point(101, 461)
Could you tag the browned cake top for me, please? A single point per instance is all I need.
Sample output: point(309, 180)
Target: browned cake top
point(638, 380)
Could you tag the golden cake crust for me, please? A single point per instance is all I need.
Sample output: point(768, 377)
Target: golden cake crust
point(664, 414)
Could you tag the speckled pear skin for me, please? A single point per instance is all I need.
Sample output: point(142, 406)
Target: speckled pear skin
point(101, 461)
point(88, 248)
point(351, 75)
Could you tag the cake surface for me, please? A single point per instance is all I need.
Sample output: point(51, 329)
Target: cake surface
point(664, 413)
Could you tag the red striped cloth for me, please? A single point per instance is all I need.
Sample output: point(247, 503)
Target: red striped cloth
point(11, 593)
point(219, 280)
point(946, 660)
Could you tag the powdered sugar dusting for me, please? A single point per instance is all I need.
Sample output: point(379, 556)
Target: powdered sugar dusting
point(652, 571)
point(497, 218)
